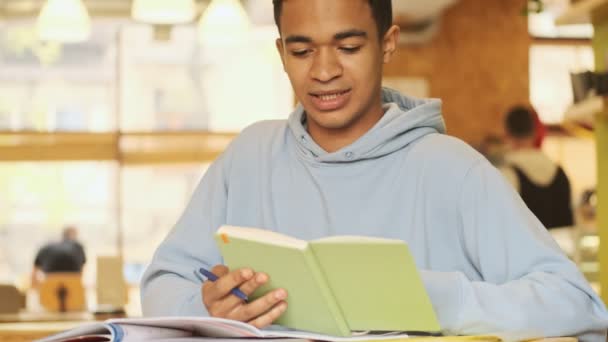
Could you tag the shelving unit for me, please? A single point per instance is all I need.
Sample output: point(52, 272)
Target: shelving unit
point(595, 111)
point(586, 110)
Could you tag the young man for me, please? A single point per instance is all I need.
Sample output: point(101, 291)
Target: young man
point(356, 159)
point(542, 184)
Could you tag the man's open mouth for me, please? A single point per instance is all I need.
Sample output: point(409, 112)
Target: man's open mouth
point(330, 100)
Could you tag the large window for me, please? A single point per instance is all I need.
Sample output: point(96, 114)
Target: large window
point(112, 135)
point(49, 87)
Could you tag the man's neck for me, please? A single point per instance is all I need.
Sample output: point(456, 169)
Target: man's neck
point(332, 140)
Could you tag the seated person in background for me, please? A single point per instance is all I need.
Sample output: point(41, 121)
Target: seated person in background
point(358, 159)
point(66, 255)
point(542, 184)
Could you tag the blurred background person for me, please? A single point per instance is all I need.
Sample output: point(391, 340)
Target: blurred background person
point(542, 183)
point(66, 255)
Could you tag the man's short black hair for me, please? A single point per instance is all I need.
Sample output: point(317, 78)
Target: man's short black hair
point(520, 122)
point(382, 11)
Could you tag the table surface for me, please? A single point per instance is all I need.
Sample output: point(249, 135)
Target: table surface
point(29, 331)
point(25, 317)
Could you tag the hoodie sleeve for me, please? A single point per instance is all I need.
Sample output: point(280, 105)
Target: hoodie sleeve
point(169, 286)
point(530, 289)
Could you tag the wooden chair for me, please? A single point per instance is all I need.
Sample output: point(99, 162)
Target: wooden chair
point(62, 292)
point(11, 300)
point(112, 290)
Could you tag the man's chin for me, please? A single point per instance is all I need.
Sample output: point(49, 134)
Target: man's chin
point(328, 123)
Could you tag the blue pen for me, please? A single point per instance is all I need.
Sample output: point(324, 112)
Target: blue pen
point(212, 277)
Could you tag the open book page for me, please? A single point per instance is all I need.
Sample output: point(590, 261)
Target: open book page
point(116, 332)
point(126, 333)
point(91, 329)
point(376, 284)
point(131, 332)
point(197, 326)
point(194, 328)
point(311, 305)
point(142, 329)
point(223, 328)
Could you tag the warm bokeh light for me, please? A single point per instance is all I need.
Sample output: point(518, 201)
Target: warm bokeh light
point(64, 21)
point(163, 11)
point(224, 23)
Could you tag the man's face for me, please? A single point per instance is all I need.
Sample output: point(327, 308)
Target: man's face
point(333, 57)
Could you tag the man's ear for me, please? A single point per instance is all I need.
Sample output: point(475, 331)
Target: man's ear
point(281, 50)
point(389, 43)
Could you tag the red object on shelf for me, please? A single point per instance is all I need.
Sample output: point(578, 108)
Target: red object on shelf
point(539, 129)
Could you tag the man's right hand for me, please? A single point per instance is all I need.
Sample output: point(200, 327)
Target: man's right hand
point(220, 302)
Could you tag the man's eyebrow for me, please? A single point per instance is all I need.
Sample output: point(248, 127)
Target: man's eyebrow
point(338, 36)
point(297, 39)
point(349, 34)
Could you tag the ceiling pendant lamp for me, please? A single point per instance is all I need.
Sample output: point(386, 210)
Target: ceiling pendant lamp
point(63, 21)
point(163, 12)
point(224, 23)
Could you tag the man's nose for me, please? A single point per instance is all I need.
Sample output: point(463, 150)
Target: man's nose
point(326, 66)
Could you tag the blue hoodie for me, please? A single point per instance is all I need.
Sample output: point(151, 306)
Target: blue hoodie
point(488, 264)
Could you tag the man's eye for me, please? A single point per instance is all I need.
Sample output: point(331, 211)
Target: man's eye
point(350, 49)
point(300, 53)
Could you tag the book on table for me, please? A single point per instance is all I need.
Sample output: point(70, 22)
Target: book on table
point(183, 329)
point(336, 285)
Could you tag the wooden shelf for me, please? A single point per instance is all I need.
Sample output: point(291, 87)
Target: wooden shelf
point(580, 12)
point(585, 111)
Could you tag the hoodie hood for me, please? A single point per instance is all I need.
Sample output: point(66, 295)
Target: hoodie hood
point(405, 120)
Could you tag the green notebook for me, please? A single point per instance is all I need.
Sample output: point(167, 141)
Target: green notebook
point(336, 285)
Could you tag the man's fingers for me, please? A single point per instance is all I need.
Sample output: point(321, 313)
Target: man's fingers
point(220, 302)
point(220, 270)
point(221, 287)
point(254, 283)
point(270, 316)
point(208, 297)
point(247, 288)
point(259, 307)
